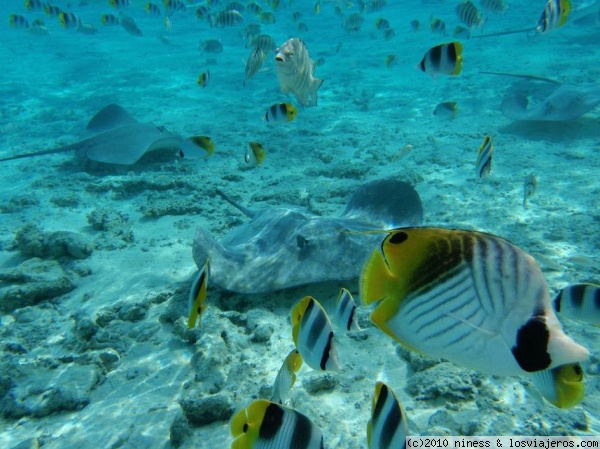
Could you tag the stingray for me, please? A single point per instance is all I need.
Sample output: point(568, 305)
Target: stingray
point(566, 102)
point(120, 139)
point(285, 247)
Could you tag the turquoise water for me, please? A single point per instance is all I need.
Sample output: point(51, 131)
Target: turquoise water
point(95, 351)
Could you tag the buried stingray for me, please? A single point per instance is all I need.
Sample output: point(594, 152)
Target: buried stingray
point(120, 139)
point(566, 102)
point(286, 247)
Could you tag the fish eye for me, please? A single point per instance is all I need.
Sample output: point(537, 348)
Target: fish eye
point(398, 237)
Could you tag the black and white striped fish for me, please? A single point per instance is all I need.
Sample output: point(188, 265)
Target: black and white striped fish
point(554, 15)
point(483, 163)
point(313, 335)
point(197, 296)
point(580, 302)
point(267, 425)
point(443, 59)
point(468, 14)
point(345, 310)
point(388, 427)
point(254, 63)
point(472, 298)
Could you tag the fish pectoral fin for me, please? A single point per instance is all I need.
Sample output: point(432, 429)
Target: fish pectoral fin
point(468, 323)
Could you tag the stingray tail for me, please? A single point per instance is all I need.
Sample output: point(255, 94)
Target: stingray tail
point(39, 153)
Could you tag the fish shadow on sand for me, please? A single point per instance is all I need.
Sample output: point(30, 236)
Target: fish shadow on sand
point(119, 139)
point(284, 247)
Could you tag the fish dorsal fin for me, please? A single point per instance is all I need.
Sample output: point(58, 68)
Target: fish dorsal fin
point(110, 117)
point(386, 203)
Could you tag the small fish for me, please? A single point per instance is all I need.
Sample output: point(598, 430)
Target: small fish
point(267, 18)
point(38, 22)
point(211, 46)
point(437, 25)
point(497, 6)
point(382, 24)
point(388, 426)
point(468, 14)
point(376, 5)
point(109, 20)
point(197, 296)
point(233, 5)
point(174, 6)
point(129, 25)
point(190, 147)
point(447, 109)
point(286, 377)
point(202, 12)
point(313, 335)
point(87, 28)
point(254, 63)
point(483, 164)
point(266, 425)
point(296, 16)
point(196, 147)
point(353, 22)
point(68, 20)
point(282, 112)
point(562, 386)
point(52, 11)
point(317, 7)
point(34, 5)
point(39, 30)
point(579, 302)
point(225, 18)
point(390, 60)
point(152, 8)
point(554, 15)
point(389, 34)
point(302, 27)
point(203, 79)
point(443, 59)
point(472, 298)
point(263, 41)
point(461, 32)
point(168, 22)
point(118, 3)
point(403, 152)
point(254, 8)
point(255, 153)
point(529, 188)
point(345, 311)
point(18, 21)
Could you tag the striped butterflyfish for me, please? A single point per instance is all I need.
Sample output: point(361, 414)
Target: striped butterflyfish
point(267, 425)
point(345, 311)
point(282, 112)
point(483, 163)
point(387, 428)
point(579, 302)
point(196, 305)
point(562, 386)
point(443, 59)
point(255, 153)
point(471, 298)
point(313, 335)
point(554, 15)
point(286, 377)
